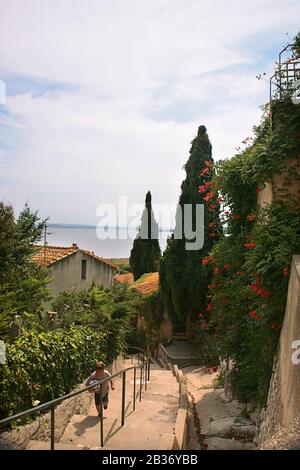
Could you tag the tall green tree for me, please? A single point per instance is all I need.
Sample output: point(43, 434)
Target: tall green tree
point(22, 282)
point(183, 281)
point(145, 254)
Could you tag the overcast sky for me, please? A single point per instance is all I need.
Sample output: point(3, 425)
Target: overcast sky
point(105, 96)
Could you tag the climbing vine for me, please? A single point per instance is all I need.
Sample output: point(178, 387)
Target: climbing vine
point(249, 266)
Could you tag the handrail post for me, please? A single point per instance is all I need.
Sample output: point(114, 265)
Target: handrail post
point(134, 384)
point(149, 365)
point(101, 422)
point(141, 381)
point(52, 427)
point(123, 397)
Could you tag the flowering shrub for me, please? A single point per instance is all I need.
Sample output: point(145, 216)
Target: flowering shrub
point(248, 268)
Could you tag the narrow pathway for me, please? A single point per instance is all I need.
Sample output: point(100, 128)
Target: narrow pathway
point(216, 423)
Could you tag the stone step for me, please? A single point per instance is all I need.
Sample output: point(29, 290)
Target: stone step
point(41, 445)
point(219, 443)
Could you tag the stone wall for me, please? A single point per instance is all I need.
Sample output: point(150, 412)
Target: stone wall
point(283, 406)
point(283, 186)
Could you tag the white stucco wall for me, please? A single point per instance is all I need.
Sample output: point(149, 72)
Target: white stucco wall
point(65, 274)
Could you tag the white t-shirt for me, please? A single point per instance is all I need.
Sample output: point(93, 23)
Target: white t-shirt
point(104, 387)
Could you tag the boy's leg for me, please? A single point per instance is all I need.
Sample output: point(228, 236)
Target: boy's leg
point(98, 403)
point(105, 401)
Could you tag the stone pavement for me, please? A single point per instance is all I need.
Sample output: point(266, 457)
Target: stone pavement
point(216, 423)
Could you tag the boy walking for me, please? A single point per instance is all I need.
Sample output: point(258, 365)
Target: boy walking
point(100, 391)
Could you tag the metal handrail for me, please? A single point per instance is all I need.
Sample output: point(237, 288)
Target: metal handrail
point(146, 361)
point(53, 403)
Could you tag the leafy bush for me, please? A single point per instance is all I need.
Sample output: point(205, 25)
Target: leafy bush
point(44, 366)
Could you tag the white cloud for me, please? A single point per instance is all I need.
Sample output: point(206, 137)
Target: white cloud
point(138, 66)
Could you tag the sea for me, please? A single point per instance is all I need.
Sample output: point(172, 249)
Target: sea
point(114, 242)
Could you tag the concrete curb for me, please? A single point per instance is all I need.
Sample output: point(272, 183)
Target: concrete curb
point(180, 438)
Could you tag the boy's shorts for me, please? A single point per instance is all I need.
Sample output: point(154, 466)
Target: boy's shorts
point(98, 399)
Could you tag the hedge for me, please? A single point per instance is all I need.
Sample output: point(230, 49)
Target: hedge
point(43, 366)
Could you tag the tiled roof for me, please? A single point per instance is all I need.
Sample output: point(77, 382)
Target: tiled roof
point(126, 278)
point(98, 258)
point(52, 254)
point(147, 284)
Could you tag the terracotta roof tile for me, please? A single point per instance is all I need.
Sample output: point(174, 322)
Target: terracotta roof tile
point(51, 254)
point(126, 278)
point(147, 284)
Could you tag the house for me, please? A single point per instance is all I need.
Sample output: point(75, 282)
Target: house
point(71, 268)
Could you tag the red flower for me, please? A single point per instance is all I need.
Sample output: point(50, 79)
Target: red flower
point(254, 314)
point(250, 218)
point(249, 245)
point(236, 216)
point(211, 286)
point(220, 199)
point(208, 163)
point(266, 294)
point(216, 270)
point(286, 271)
point(204, 172)
point(206, 260)
point(213, 234)
point(240, 273)
point(276, 326)
point(212, 206)
point(227, 266)
point(212, 224)
point(209, 307)
point(202, 189)
point(208, 196)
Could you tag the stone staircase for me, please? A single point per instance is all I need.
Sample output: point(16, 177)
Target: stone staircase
point(154, 417)
point(179, 352)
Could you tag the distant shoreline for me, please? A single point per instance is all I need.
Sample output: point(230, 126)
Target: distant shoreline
point(82, 226)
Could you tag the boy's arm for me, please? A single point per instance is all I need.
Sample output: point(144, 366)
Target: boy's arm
point(87, 383)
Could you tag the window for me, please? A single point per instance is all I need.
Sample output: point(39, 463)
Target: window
point(83, 269)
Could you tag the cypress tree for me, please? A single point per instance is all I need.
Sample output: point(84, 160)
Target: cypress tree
point(145, 254)
point(183, 280)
